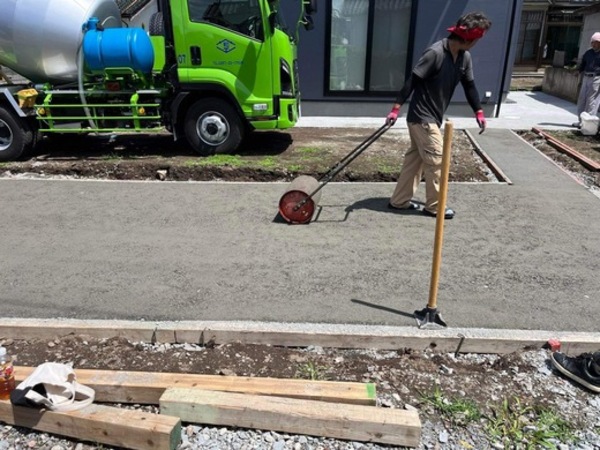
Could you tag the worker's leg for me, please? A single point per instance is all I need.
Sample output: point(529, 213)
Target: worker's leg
point(410, 175)
point(594, 96)
point(582, 100)
point(430, 148)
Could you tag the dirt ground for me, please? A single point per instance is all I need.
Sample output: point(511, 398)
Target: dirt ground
point(401, 377)
point(273, 156)
point(264, 156)
point(588, 146)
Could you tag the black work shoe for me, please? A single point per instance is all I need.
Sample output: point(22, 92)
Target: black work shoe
point(578, 369)
point(448, 215)
point(412, 206)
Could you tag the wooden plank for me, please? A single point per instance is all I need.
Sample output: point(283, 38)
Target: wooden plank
point(147, 387)
point(310, 417)
point(101, 424)
point(297, 335)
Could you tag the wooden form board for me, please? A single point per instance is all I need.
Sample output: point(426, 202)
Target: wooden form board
point(146, 387)
point(311, 417)
point(463, 340)
point(100, 424)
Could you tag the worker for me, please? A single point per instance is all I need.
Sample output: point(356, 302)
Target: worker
point(589, 70)
point(432, 82)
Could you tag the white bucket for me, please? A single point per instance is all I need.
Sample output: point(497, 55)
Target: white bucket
point(589, 124)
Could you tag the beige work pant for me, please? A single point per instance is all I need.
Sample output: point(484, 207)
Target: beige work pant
point(589, 96)
point(423, 157)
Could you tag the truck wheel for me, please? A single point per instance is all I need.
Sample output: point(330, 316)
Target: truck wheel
point(15, 136)
point(213, 126)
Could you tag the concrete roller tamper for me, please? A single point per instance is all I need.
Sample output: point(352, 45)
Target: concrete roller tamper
point(298, 203)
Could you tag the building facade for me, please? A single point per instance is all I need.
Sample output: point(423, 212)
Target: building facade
point(551, 33)
point(360, 52)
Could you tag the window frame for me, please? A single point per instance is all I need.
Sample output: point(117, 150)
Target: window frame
point(366, 92)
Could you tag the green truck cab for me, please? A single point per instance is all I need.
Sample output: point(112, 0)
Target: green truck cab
point(212, 71)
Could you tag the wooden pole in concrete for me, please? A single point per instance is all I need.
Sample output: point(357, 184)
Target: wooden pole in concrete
point(429, 317)
point(439, 225)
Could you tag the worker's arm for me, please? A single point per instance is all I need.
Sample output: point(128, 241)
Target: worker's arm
point(475, 103)
point(400, 100)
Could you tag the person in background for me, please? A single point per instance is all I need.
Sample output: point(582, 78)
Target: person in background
point(584, 369)
point(589, 69)
point(432, 83)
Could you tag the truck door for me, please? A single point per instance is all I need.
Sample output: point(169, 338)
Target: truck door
point(223, 42)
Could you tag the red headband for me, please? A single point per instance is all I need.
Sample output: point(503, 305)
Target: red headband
point(467, 34)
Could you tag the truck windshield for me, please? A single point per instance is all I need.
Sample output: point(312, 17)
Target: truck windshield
point(241, 16)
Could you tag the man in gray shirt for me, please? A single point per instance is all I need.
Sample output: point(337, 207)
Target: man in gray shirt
point(589, 92)
point(432, 82)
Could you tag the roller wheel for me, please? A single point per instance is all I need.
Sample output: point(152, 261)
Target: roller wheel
point(15, 135)
point(213, 126)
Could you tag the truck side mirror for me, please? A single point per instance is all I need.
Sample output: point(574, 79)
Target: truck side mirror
point(308, 23)
point(310, 6)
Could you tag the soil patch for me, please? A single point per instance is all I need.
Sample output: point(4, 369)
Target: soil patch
point(264, 156)
point(404, 378)
point(588, 146)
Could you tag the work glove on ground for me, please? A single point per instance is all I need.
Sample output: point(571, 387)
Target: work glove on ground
point(392, 116)
point(481, 120)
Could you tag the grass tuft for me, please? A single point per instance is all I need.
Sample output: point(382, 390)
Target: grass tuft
point(217, 160)
point(311, 371)
point(457, 410)
point(517, 425)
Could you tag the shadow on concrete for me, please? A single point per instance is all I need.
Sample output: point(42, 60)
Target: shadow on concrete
point(383, 308)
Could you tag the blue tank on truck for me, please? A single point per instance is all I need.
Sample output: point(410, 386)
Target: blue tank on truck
point(116, 48)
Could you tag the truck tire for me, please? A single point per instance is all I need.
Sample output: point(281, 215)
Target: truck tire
point(157, 25)
point(213, 126)
point(15, 135)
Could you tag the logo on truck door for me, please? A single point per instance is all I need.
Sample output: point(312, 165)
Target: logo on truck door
point(226, 45)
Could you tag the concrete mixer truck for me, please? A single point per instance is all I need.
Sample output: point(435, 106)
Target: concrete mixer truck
point(208, 71)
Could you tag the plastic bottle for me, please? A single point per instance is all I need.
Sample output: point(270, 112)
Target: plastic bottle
point(7, 376)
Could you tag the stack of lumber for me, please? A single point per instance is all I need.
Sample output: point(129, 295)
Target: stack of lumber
point(342, 410)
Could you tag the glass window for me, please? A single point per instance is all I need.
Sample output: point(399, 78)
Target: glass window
point(529, 36)
point(391, 26)
point(241, 16)
point(368, 45)
point(349, 26)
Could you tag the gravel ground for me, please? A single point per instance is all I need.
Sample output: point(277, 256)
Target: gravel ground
point(527, 376)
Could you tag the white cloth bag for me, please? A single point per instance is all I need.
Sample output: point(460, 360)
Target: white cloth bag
point(53, 386)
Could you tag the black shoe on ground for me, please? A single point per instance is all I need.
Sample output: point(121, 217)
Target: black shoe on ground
point(576, 124)
point(578, 369)
point(448, 215)
point(411, 207)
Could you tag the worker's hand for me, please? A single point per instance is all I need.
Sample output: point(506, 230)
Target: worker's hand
point(392, 116)
point(481, 120)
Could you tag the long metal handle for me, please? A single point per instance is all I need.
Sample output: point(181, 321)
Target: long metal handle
point(331, 173)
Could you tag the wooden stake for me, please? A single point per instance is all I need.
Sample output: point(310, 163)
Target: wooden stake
point(439, 225)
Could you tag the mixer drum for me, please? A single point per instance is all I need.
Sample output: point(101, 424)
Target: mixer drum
point(40, 39)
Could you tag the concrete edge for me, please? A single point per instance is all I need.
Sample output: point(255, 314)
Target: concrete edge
point(556, 164)
point(487, 159)
point(351, 336)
